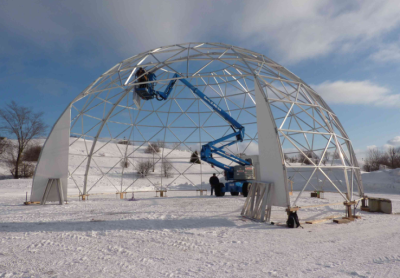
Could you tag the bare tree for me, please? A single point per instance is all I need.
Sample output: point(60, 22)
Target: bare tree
point(4, 144)
point(32, 153)
point(336, 155)
point(311, 155)
point(152, 148)
point(292, 159)
point(160, 143)
point(397, 159)
point(144, 168)
point(22, 123)
point(286, 157)
point(393, 155)
point(167, 168)
point(26, 169)
point(327, 157)
point(124, 162)
point(373, 160)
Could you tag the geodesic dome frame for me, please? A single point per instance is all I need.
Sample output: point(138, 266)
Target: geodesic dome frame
point(314, 148)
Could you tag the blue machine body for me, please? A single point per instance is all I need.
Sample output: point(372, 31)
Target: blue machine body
point(233, 186)
point(238, 131)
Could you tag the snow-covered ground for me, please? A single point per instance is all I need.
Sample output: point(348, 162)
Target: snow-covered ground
point(185, 235)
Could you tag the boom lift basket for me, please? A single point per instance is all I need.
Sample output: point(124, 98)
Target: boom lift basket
point(145, 91)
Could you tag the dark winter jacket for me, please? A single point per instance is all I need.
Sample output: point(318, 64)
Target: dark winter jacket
point(214, 181)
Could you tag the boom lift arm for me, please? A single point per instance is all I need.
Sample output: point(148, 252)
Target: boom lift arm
point(210, 148)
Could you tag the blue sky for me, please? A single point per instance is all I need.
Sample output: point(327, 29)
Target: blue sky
point(349, 52)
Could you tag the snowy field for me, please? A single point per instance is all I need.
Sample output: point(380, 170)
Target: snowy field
point(185, 235)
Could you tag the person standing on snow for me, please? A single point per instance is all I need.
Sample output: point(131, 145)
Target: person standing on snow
point(214, 181)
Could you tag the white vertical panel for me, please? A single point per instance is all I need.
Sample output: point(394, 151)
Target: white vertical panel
point(53, 161)
point(271, 167)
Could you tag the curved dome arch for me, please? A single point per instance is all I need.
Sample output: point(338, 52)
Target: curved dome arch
point(111, 128)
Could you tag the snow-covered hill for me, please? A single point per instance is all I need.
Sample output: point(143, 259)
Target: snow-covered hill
point(106, 171)
point(384, 181)
point(185, 235)
point(107, 175)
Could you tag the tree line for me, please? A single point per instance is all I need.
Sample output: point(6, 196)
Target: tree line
point(375, 158)
point(300, 158)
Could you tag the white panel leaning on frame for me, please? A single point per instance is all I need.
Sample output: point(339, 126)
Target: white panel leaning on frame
point(53, 161)
point(271, 165)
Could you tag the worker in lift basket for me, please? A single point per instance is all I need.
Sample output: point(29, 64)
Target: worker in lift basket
point(214, 181)
point(144, 78)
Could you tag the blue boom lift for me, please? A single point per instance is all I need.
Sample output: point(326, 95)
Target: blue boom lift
point(237, 176)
